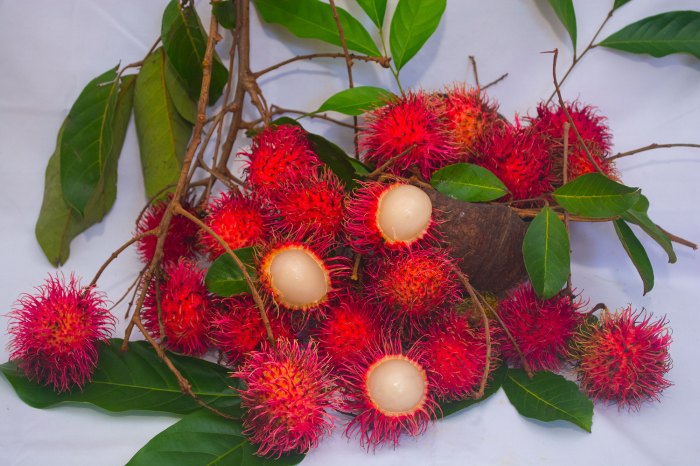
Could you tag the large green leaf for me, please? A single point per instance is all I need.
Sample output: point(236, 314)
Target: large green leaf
point(596, 196)
point(660, 35)
point(162, 133)
point(313, 19)
point(564, 10)
point(185, 43)
point(375, 9)
point(636, 252)
point(205, 439)
point(638, 215)
point(58, 224)
point(86, 140)
point(225, 12)
point(135, 380)
point(546, 253)
point(468, 182)
point(497, 378)
point(225, 278)
point(548, 397)
point(184, 104)
point(337, 160)
point(356, 100)
point(413, 23)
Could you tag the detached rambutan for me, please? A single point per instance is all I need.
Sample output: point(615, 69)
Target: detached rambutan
point(55, 333)
point(542, 328)
point(279, 155)
point(410, 126)
point(287, 392)
point(184, 308)
point(388, 216)
point(180, 241)
point(237, 219)
point(623, 358)
point(470, 116)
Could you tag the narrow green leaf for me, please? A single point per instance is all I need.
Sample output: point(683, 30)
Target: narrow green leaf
point(546, 253)
point(375, 9)
point(185, 43)
point(204, 438)
point(413, 23)
point(497, 378)
point(225, 12)
point(620, 3)
point(596, 196)
point(87, 140)
point(638, 215)
point(636, 252)
point(313, 19)
point(135, 380)
point(356, 100)
point(564, 10)
point(162, 133)
point(548, 397)
point(660, 35)
point(335, 158)
point(184, 104)
point(360, 168)
point(468, 182)
point(225, 278)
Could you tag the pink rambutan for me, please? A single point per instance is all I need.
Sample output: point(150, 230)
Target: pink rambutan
point(470, 116)
point(55, 333)
point(388, 216)
point(410, 126)
point(180, 241)
point(279, 155)
point(623, 357)
point(542, 328)
point(287, 392)
point(239, 220)
point(182, 322)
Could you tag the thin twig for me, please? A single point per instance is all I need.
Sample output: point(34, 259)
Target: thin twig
point(678, 239)
point(565, 179)
point(472, 60)
point(651, 147)
point(383, 61)
point(487, 331)
point(495, 81)
point(119, 250)
point(277, 110)
point(383, 167)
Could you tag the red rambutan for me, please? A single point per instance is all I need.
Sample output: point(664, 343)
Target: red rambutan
point(624, 357)
point(412, 127)
point(287, 392)
point(56, 332)
point(542, 328)
point(180, 241)
point(184, 308)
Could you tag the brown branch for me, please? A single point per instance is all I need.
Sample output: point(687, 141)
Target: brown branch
point(532, 213)
point(495, 81)
point(126, 293)
point(487, 333)
point(383, 61)
point(277, 110)
point(119, 250)
point(472, 60)
point(678, 239)
point(653, 146)
point(565, 179)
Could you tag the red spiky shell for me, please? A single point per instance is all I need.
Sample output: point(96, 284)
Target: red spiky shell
point(55, 333)
point(180, 241)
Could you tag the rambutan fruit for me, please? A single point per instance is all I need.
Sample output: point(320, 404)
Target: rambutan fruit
point(180, 241)
point(55, 333)
point(389, 393)
point(542, 328)
point(388, 216)
point(279, 155)
point(412, 129)
point(287, 392)
point(237, 328)
point(238, 219)
point(623, 357)
point(184, 304)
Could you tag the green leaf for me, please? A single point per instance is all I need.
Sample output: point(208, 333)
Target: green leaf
point(660, 35)
point(185, 106)
point(313, 19)
point(497, 378)
point(162, 133)
point(360, 168)
point(135, 380)
point(356, 100)
point(636, 252)
point(185, 43)
point(225, 278)
point(596, 196)
point(413, 23)
point(337, 160)
point(225, 12)
point(638, 215)
point(619, 3)
point(546, 253)
point(204, 438)
point(87, 140)
point(567, 15)
point(468, 182)
point(548, 397)
point(58, 224)
point(375, 9)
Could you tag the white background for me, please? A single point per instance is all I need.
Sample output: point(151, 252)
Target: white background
point(49, 50)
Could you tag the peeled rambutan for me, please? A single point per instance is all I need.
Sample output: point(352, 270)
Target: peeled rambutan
point(180, 241)
point(279, 155)
point(410, 126)
point(237, 328)
point(623, 357)
point(388, 216)
point(287, 392)
point(389, 393)
point(55, 333)
point(238, 219)
point(542, 328)
point(184, 308)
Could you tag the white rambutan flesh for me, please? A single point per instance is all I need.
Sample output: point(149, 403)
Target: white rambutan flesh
point(298, 279)
point(396, 385)
point(404, 213)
